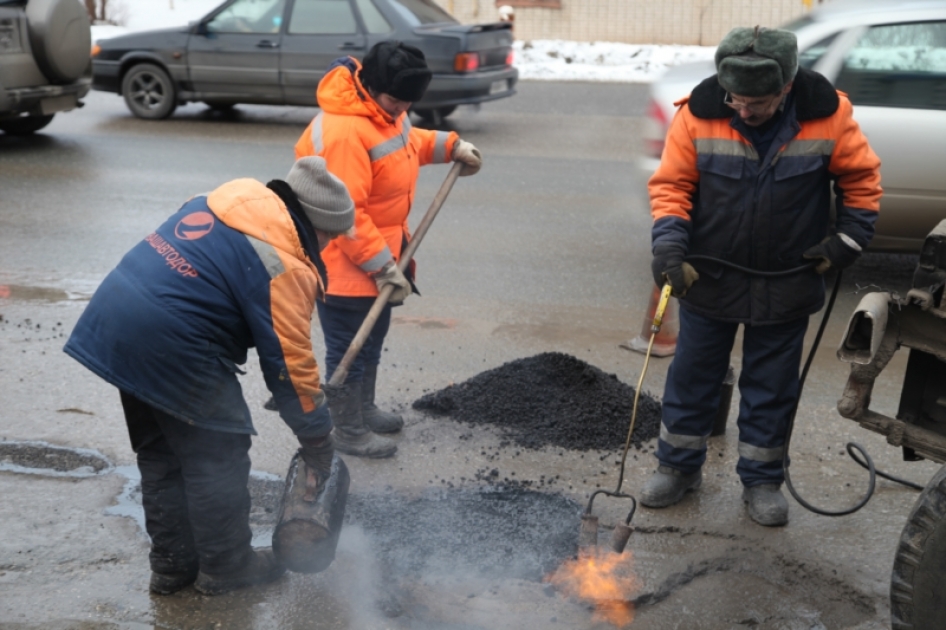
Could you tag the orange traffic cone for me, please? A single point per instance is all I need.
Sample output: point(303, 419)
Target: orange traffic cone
point(665, 343)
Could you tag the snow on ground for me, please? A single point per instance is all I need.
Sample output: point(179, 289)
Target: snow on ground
point(546, 59)
point(560, 60)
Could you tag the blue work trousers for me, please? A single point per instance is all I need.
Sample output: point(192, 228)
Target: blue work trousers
point(193, 490)
point(340, 322)
point(768, 388)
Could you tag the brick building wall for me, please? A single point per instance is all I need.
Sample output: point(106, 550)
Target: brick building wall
point(690, 22)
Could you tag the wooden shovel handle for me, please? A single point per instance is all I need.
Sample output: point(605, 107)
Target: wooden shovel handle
point(341, 372)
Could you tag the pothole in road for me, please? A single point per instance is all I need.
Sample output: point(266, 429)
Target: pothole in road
point(44, 294)
point(40, 458)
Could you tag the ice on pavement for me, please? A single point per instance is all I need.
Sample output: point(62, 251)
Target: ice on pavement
point(545, 59)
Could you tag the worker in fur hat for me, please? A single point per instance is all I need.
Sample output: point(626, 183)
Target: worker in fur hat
point(365, 135)
point(233, 269)
point(746, 176)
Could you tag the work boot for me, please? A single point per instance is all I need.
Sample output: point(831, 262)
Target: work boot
point(668, 485)
point(351, 435)
point(261, 568)
point(168, 583)
point(375, 419)
point(767, 505)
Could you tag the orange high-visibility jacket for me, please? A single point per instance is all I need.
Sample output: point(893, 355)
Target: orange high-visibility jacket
point(378, 158)
point(714, 195)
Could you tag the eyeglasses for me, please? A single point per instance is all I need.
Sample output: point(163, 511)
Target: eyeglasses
point(752, 108)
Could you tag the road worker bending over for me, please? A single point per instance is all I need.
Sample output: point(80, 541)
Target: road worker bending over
point(233, 269)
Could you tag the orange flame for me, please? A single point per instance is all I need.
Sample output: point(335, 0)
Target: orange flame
point(603, 578)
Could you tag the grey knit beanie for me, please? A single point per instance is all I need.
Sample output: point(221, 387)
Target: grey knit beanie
point(756, 61)
point(323, 196)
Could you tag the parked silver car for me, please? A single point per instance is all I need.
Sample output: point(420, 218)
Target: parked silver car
point(44, 61)
point(889, 56)
point(276, 51)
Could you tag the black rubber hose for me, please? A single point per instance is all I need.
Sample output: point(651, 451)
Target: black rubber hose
point(754, 272)
point(872, 481)
point(867, 462)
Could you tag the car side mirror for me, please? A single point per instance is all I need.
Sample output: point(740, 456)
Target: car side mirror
point(199, 28)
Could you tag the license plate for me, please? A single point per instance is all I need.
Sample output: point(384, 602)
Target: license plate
point(498, 86)
point(58, 104)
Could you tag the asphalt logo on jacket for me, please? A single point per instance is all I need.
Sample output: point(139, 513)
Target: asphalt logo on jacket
point(194, 226)
point(171, 256)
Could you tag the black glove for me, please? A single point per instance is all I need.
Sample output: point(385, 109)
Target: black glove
point(832, 252)
point(317, 454)
point(668, 266)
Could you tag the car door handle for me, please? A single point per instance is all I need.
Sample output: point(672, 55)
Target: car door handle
point(351, 46)
point(267, 43)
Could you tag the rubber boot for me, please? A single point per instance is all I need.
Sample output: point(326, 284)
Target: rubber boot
point(766, 504)
point(168, 583)
point(351, 435)
point(668, 485)
point(375, 419)
point(261, 568)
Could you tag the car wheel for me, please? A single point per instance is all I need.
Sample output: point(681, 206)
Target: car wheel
point(220, 107)
point(149, 92)
point(25, 125)
point(919, 572)
point(436, 114)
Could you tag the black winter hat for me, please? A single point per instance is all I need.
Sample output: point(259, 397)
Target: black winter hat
point(756, 61)
point(396, 69)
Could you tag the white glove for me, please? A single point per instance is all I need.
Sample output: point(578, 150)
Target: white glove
point(390, 274)
point(465, 152)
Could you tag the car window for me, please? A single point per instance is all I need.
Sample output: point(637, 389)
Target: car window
point(322, 17)
point(374, 21)
point(898, 65)
point(417, 12)
point(249, 16)
point(810, 56)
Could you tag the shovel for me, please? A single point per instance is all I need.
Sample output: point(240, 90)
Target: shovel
point(311, 514)
point(341, 372)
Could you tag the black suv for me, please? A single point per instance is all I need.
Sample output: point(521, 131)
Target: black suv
point(45, 64)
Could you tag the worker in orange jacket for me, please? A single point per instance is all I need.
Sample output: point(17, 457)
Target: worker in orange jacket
point(751, 159)
point(365, 135)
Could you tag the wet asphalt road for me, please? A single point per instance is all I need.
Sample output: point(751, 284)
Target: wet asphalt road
point(545, 250)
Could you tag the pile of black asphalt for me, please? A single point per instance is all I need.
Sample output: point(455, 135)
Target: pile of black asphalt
point(551, 399)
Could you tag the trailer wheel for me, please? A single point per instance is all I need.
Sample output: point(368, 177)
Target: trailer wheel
point(918, 583)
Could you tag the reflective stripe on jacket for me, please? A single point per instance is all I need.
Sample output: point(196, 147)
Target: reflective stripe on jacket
point(171, 323)
point(714, 195)
point(378, 158)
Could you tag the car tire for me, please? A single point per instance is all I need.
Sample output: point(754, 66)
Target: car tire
point(24, 125)
point(919, 571)
point(60, 37)
point(149, 92)
point(220, 107)
point(436, 114)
